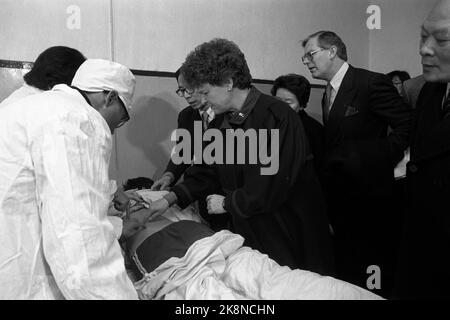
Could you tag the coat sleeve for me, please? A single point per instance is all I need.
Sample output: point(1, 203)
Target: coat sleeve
point(387, 104)
point(199, 181)
point(71, 159)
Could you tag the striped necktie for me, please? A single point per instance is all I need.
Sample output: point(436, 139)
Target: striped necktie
point(326, 102)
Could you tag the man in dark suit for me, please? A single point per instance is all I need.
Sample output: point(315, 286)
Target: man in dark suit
point(425, 262)
point(197, 110)
point(358, 168)
point(411, 89)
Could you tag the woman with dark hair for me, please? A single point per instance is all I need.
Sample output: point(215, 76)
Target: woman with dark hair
point(295, 89)
point(55, 65)
point(280, 213)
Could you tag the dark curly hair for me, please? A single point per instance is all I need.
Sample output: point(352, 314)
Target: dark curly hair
point(296, 84)
point(54, 66)
point(215, 62)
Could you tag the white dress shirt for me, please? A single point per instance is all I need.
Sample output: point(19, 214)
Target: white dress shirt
point(337, 81)
point(56, 240)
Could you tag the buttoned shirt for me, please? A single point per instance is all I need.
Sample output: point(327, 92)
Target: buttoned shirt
point(337, 81)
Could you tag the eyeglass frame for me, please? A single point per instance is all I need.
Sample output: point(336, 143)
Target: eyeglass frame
point(181, 92)
point(310, 55)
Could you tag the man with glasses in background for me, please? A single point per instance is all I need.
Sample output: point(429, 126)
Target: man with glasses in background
point(357, 173)
point(197, 110)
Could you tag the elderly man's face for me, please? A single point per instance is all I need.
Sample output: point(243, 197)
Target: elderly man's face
point(435, 47)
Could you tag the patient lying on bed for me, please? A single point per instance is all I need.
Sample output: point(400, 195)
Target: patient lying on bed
point(175, 256)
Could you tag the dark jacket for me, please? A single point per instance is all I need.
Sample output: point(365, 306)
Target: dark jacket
point(186, 119)
point(425, 262)
point(359, 154)
point(358, 173)
point(314, 132)
point(282, 215)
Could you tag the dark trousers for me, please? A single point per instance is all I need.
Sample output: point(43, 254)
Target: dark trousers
point(367, 233)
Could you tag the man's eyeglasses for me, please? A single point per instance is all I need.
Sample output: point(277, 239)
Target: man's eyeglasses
point(125, 118)
point(181, 92)
point(310, 55)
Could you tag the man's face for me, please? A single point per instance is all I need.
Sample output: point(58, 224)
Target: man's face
point(192, 96)
point(218, 97)
point(435, 49)
point(320, 63)
point(111, 108)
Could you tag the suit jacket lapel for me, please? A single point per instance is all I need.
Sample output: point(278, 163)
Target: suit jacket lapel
point(343, 98)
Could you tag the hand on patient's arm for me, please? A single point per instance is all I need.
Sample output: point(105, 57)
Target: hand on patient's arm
point(122, 198)
point(157, 208)
point(215, 204)
point(163, 183)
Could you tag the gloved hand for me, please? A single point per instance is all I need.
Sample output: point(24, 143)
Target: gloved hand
point(128, 200)
point(215, 204)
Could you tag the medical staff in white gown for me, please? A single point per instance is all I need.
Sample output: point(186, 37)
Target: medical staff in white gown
point(56, 241)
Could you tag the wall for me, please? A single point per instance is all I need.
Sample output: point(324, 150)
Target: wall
point(396, 45)
point(162, 33)
point(28, 27)
point(156, 35)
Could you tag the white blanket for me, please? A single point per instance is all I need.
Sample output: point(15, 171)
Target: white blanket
point(220, 268)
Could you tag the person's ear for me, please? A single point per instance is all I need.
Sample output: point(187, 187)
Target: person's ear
point(333, 52)
point(229, 84)
point(111, 97)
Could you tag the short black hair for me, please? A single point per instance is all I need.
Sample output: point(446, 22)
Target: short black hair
point(296, 84)
point(402, 75)
point(54, 66)
point(138, 183)
point(326, 39)
point(215, 62)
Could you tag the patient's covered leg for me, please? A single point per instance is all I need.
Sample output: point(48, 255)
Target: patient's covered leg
point(260, 277)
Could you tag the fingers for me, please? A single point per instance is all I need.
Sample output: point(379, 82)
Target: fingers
point(137, 207)
point(156, 186)
point(165, 186)
point(134, 196)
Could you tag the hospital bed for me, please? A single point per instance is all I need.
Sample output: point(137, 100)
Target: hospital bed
point(219, 267)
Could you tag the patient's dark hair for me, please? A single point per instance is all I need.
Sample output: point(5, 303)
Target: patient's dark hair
point(55, 65)
point(138, 183)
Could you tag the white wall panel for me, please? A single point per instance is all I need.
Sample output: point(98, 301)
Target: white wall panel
point(28, 27)
point(158, 34)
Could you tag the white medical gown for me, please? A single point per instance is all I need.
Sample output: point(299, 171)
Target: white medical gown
point(55, 238)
